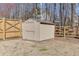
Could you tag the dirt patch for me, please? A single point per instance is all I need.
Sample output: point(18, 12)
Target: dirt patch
point(58, 46)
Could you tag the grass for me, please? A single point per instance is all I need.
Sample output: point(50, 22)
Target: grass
point(43, 49)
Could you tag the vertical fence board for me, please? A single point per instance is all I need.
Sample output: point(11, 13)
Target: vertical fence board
point(21, 28)
point(4, 32)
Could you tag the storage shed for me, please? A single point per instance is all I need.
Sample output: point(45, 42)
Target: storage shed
point(38, 31)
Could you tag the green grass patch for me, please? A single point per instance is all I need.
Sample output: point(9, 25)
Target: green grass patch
point(43, 49)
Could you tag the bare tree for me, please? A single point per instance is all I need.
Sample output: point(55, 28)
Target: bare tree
point(46, 10)
point(54, 13)
point(61, 14)
point(72, 13)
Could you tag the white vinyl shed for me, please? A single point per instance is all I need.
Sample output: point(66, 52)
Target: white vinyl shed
point(38, 31)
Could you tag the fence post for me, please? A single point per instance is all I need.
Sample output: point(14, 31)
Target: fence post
point(21, 28)
point(4, 32)
point(64, 31)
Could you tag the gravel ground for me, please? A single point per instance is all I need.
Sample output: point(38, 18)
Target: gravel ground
point(57, 47)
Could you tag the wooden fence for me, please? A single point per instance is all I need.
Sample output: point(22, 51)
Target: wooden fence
point(67, 31)
point(10, 28)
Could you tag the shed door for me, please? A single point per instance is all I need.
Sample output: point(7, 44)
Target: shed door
point(28, 30)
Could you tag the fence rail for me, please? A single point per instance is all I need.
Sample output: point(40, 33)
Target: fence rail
point(67, 31)
point(10, 28)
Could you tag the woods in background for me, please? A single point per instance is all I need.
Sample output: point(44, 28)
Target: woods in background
point(57, 13)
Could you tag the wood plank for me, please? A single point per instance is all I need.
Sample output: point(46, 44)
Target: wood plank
point(12, 26)
point(4, 33)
